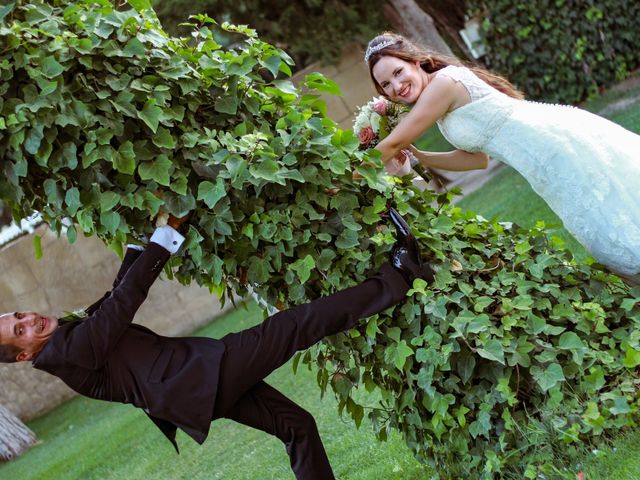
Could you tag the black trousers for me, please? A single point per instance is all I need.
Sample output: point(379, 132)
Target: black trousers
point(253, 354)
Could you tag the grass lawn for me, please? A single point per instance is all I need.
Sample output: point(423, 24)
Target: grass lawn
point(88, 439)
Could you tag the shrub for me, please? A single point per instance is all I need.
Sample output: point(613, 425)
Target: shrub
point(561, 50)
point(99, 109)
point(309, 30)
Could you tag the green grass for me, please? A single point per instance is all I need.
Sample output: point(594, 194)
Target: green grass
point(88, 439)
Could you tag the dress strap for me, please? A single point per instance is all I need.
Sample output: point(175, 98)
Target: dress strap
point(476, 87)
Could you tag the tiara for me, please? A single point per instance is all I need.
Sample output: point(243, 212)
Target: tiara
point(376, 48)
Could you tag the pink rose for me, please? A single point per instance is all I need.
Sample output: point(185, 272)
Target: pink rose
point(366, 135)
point(380, 107)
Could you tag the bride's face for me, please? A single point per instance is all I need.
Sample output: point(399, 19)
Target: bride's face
point(401, 81)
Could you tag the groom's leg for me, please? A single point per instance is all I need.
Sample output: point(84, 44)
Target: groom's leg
point(254, 353)
point(265, 408)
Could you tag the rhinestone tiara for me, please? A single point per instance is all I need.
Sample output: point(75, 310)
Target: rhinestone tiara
point(376, 48)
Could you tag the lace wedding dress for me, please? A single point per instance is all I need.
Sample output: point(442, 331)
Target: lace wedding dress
point(585, 167)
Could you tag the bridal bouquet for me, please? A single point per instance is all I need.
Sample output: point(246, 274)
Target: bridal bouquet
point(374, 121)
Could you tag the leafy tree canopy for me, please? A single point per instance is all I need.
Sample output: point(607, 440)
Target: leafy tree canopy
point(308, 30)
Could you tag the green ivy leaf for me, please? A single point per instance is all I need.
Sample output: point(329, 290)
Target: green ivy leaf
point(140, 5)
point(348, 239)
point(466, 365)
point(110, 221)
point(211, 193)
point(52, 192)
point(303, 267)
point(125, 159)
point(158, 170)
point(50, 67)
point(399, 353)
point(134, 48)
point(632, 358)
point(108, 200)
point(164, 139)
point(266, 169)
point(227, 104)
point(6, 10)
point(151, 114)
point(620, 406)
point(493, 350)
point(72, 199)
point(549, 377)
point(570, 341)
point(319, 82)
point(72, 235)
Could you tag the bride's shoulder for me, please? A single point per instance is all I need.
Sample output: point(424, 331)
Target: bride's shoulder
point(453, 71)
point(453, 75)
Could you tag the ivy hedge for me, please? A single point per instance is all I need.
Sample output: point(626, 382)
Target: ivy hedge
point(560, 50)
point(514, 340)
point(309, 30)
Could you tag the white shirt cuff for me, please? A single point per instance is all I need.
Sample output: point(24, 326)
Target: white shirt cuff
point(168, 238)
point(134, 247)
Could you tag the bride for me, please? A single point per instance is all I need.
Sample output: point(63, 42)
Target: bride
point(585, 167)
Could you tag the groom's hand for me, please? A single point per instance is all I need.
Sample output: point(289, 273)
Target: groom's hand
point(177, 223)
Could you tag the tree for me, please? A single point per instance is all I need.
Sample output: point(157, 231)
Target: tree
point(312, 30)
point(408, 18)
point(15, 437)
point(101, 109)
point(449, 17)
point(309, 30)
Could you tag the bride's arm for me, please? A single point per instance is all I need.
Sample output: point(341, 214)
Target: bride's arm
point(434, 102)
point(455, 161)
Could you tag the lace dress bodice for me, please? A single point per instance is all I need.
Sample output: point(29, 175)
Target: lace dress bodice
point(472, 125)
point(585, 167)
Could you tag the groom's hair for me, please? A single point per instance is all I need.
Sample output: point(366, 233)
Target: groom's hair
point(8, 353)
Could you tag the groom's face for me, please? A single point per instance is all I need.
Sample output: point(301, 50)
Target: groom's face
point(28, 332)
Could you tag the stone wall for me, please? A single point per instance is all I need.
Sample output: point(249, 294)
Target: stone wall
point(69, 277)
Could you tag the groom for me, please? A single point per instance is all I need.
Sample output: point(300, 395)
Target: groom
point(186, 382)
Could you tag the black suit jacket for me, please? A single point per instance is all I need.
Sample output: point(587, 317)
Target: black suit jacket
point(106, 357)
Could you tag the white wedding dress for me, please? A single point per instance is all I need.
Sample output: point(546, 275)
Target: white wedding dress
point(585, 167)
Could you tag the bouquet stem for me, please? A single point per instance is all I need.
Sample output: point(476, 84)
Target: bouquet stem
point(419, 168)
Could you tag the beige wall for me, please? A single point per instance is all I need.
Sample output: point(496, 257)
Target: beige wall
point(70, 277)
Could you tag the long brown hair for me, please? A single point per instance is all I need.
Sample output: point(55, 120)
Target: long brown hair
point(399, 47)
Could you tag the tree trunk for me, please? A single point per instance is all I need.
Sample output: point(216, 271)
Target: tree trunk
point(409, 19)
point(15, 437)
point(449, 17)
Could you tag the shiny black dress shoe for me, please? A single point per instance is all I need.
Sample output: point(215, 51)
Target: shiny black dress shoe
point(405, 255)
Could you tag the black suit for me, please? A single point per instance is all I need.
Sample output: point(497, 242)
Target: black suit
point(186, 382)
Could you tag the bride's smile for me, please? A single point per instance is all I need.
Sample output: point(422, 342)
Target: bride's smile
point(401, 81)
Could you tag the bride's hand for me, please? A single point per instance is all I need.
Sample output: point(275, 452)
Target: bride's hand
point(400, 165)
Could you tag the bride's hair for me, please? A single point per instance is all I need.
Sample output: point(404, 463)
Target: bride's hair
point(397, 46)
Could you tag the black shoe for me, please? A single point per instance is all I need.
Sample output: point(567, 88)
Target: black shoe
point(405, 255)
